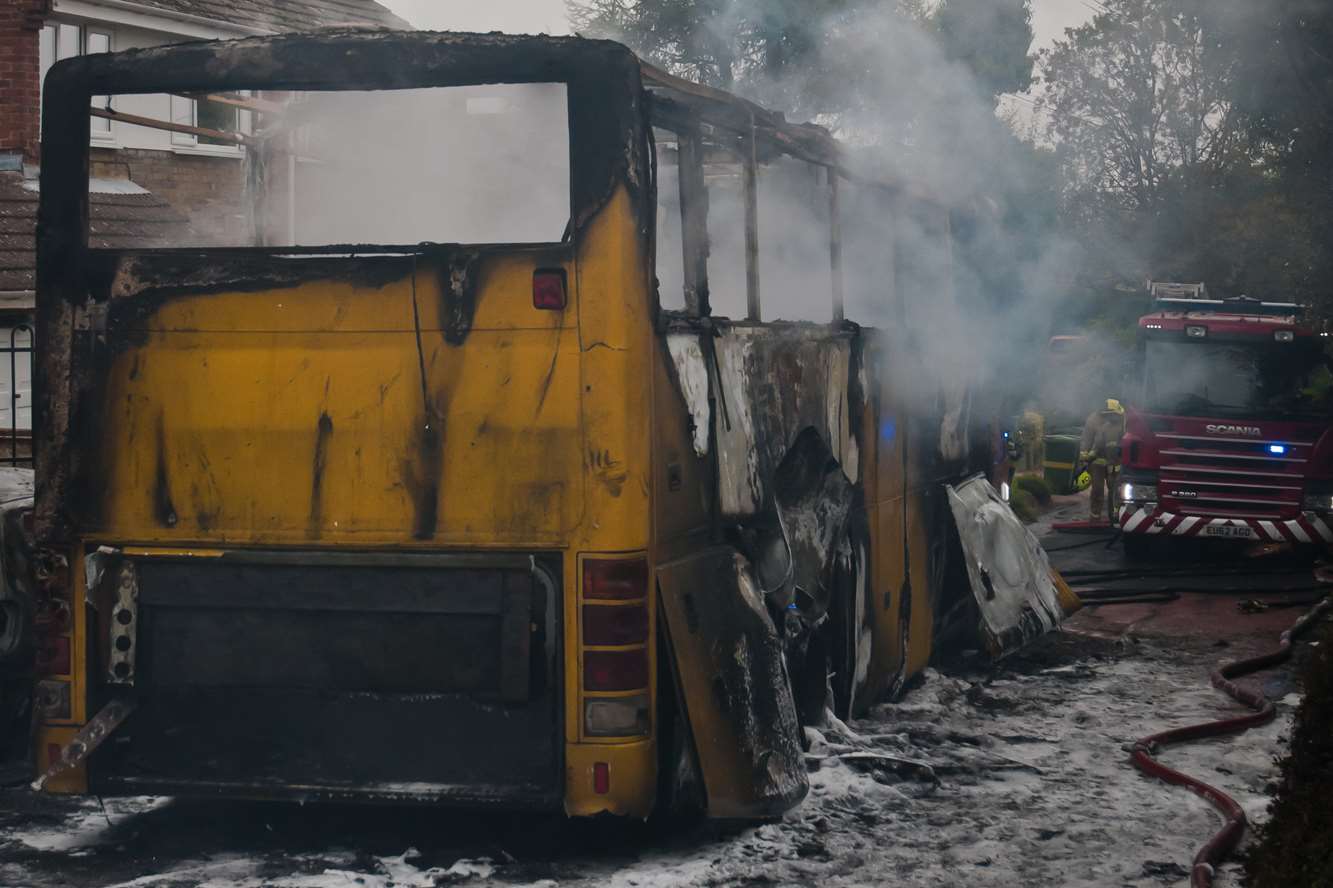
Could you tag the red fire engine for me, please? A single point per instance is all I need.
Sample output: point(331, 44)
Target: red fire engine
point(1226, 438)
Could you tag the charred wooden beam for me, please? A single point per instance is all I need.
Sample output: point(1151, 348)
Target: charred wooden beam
point(805, 141)
point(154, 123)
point(234, 100)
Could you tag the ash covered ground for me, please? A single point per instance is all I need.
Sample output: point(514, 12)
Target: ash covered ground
point(1016, 775)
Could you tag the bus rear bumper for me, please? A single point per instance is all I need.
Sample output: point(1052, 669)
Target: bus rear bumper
point(303, 676)
point(626, 787)
point(470, 795)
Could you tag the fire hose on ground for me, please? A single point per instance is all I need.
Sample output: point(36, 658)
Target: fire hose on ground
point(1096, 587)
point(1163, 594)
point(1145, 749)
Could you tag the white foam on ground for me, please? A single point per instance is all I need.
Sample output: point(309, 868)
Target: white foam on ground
point(1033, 787)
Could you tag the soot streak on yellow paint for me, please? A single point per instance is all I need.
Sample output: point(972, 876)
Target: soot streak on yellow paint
point(323, 432)
point(610, 472)
point(550, 374)
point(458, 294)
point(421, 475)
point(166, 509)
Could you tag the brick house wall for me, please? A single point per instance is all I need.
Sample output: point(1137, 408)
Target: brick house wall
point(20, 67)
point(207, 187)
point(209, 191)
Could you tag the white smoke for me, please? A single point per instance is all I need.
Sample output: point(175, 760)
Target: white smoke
point(974, 270)
point(475, 164)
point(971, 270)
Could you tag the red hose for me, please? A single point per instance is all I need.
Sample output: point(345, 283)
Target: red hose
point(1221, 844)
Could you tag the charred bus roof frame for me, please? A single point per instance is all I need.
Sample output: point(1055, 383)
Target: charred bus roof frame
point(677, 101)
point(604, 135)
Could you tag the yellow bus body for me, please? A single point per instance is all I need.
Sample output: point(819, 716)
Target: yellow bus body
point(294, 418)
point(348, 412)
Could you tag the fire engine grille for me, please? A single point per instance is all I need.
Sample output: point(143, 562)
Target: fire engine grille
point(1230, 478)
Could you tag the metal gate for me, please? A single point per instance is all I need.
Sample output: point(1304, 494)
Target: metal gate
point(17, 350)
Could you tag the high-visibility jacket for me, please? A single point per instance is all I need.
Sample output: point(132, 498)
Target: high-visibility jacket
point(1101, 437)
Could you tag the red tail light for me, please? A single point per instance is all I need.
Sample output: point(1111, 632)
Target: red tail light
point(53, 656)
point(615, 580)
point(615, 614)
point(615, 625)
point(54, 624)
point(615, 670)
point(52, 616)
point(601, 778)
point(548, 289)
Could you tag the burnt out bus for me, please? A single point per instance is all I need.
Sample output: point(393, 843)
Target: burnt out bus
point(517, 444)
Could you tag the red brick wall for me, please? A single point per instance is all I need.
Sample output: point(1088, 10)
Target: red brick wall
point(209, 191)
point(20, 72)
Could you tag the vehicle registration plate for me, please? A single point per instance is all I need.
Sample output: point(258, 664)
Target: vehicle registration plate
point(1231, 531)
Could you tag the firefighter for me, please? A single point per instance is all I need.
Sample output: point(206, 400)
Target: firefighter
point(1100, 451)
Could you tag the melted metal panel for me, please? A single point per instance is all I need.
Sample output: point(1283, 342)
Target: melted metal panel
point(1012, 580)
point(692, 377)
point(774, 382)
point(729, 661)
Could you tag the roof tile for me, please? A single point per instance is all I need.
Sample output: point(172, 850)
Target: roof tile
point(115, 221)
point(285, 15)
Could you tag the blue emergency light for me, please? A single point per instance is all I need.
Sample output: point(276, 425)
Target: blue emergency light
point(1277, 449)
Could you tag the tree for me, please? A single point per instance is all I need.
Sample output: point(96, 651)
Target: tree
point(686, 37)
point(724, 43)
point(821, 58)
point(910, 84)
point(1157, 171)
point(1282, 52)
point(1282, 92)
point(1137, 106)
point(991, 37)
point(1194, 137)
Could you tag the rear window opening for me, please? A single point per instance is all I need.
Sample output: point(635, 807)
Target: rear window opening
point(448, 165)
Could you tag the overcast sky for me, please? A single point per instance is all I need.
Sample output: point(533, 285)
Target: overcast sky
point(512, 16)
point(1049, 17)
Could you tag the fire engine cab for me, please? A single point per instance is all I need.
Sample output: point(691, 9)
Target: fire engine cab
point(1227, 437)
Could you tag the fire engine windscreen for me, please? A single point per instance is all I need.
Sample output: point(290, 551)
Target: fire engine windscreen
point(1228, 378)
point(467, 164)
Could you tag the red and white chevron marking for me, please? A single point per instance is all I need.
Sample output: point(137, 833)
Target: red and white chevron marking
point(1308, 528)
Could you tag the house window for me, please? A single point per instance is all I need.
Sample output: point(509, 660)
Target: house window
point(15, 384)
point(60, 41)
point(207, 115)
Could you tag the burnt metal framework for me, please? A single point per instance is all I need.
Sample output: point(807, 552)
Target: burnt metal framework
point(77, 283)
point(703, 117)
